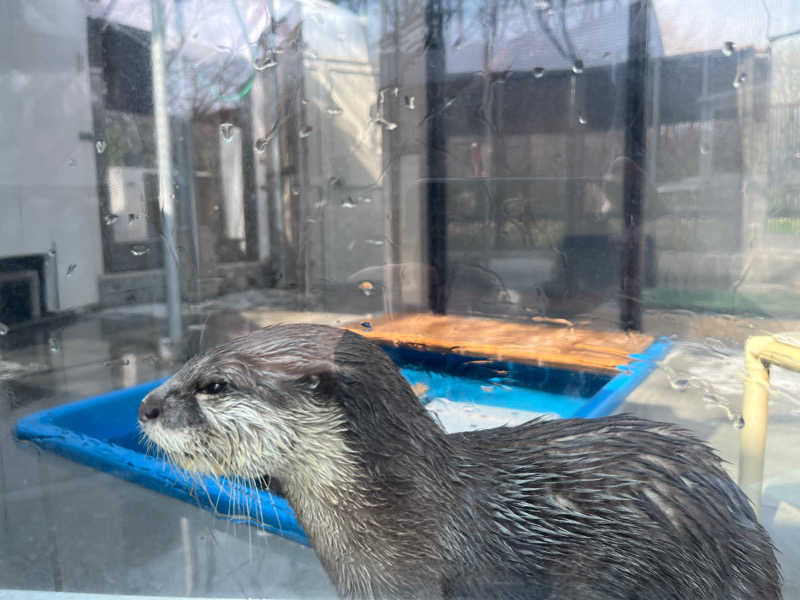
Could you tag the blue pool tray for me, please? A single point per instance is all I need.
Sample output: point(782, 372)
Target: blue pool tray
point(102, 431)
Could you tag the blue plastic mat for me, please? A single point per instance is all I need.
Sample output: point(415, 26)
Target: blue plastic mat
point(102, 431)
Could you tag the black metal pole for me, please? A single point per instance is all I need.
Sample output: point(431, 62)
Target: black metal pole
point(392, 150)
point(436, 166)
point(634, 174)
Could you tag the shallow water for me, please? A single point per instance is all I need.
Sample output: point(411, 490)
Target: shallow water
point(467, 416)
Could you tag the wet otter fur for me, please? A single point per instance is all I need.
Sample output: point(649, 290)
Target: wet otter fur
point(611, 508)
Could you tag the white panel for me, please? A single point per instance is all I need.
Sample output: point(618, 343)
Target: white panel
point(47, 173)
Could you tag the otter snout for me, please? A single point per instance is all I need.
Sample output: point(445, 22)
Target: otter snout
point(151, 407)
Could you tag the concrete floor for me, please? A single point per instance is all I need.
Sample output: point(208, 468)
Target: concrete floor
point(710, 411)
point(70, 528)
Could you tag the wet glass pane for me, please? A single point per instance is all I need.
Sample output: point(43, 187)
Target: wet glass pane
point(555, 209)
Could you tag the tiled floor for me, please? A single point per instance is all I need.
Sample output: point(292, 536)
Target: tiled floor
point(70, 528)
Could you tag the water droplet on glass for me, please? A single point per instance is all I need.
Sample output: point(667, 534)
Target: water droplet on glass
point(100, 145)
point(740, 79)
point(391, 126)
point(582, 120)
point(121, 362)
point(680, 384)
point(222, 48)
point(52, 251)
point(367, 287)
point(139, 250)
point(3, 329)
point(366, 325)
point(71, 269)
point(317, 18)
point(738, 423)
point(266, 62)
point(53, 344)
point(410, 102)
point(348, 202)
point(71, 162)
point(728, 48)
point(261, 145)
point(132, 217)
point(335, 181)
point(110, 219)
point(295, 191)
point(577, 66)
point(305, 131)
point(334, 110)
point(538, 72)
point(542, 5)
point(303, 101)
point(704, 149)
point(226, 129)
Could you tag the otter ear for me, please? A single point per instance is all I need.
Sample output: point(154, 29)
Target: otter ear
point(321, 380)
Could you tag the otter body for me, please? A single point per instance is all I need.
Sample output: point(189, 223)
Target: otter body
point(612, 508)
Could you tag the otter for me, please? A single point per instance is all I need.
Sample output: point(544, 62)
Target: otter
point(608, 508)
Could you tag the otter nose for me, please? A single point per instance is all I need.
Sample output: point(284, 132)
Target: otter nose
point(150, 407)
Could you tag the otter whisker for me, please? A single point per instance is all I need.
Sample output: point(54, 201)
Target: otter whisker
point(201, 485)
point(252, 508)
point(274, 506)
point(260, 504)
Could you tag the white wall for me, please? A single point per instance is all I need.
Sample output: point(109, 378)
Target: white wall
point(48, 192)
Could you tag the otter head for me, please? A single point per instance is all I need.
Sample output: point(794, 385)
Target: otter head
point(297, 402)
point(253, 407)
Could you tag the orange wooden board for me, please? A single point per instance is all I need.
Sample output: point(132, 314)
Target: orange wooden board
point(545, 345)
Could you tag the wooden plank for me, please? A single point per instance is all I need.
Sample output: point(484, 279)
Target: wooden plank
point(563, 347)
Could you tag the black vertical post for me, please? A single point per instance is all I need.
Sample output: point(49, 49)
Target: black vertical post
point(436, 166)
point(634, 174)
point(97, 54)
point(392, 150)
point(250, 200)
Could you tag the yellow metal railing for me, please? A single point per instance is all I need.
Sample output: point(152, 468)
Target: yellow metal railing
point(760, 353)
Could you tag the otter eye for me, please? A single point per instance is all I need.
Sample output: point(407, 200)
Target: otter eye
point(313, 382)
point(213, 388)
